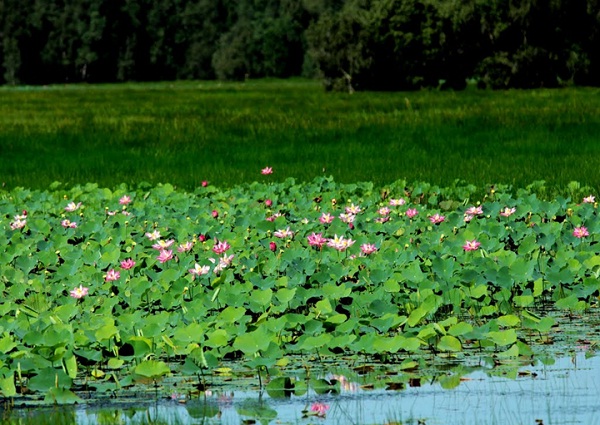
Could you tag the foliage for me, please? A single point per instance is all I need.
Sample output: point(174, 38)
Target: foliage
point(354, 44)
point(186, 132)
point(233, 274)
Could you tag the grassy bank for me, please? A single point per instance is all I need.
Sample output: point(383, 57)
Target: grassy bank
point(186, 132)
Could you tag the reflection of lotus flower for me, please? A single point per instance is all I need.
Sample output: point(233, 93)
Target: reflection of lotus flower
point(319, 409)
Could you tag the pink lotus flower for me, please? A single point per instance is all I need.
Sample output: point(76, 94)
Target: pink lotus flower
point(127, 264)
point(468, 217)
point(589, 199)
point(580, 232)
point(347, 218)
point(112, 275)
point(319, 409)
point(125, 200)
point(153, 236)
point(340, 243)
point(411, 212)
point(199, 270)
point(266, 170)
point(68, 224)
point(353, 209)
point(18, 224)
point(72, 206)
point(316, 239)
point(368, 249)
point(160, 245)
point(185, 247)
point(507, 212)
point(165, 255)
point(79, 292)
point(202, 238)
point(383, 211)
point(215, 213)
point(224, 262)
point(436, 218)
point(326, 218)
point(268, 203)
point(274, 216)
point(204, 183)
point(474, 211)
point(284, 233)
point(397, 202)
point(220, 247)
point(471, 245)
point(272, 246)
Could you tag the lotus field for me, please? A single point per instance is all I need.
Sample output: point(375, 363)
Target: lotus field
point(106, 289)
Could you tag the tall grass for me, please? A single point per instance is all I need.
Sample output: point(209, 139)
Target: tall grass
point(186, 132)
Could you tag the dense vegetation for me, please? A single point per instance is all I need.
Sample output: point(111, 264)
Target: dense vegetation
point(352, 44)
point(186, 132)
point(106, 290)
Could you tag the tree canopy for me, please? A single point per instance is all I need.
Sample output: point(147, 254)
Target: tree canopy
point(350, 44)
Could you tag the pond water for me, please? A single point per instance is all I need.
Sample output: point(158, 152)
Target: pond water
point(562, 391)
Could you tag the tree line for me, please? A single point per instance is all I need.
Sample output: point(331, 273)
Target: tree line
point(350, 44)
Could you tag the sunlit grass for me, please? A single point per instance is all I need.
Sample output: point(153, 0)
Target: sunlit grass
point(186, 132)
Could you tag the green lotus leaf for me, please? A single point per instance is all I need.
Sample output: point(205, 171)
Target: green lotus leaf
point(502, 338)
point(152, 369)
point(252, 342)
point(509, 320)
point(49, 377)
point(57, 395)
point(7, 386)
point(449, 343)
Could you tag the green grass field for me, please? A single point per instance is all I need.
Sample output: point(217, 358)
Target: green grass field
point(186, 132)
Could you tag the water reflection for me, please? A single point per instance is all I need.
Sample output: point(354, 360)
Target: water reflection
point(564, 392)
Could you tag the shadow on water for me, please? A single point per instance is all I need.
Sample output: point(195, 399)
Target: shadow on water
point(561, 391)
